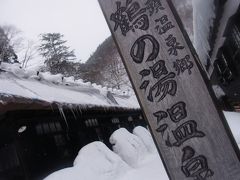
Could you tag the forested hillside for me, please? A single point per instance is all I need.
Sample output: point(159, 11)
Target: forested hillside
point(105, 66)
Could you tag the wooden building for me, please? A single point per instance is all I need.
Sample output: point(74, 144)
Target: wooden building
point(42, 132)
point(217, 42)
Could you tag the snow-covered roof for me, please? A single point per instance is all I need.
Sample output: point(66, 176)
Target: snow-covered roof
point(203, 18)
point(230, 8)
point(29, 86)
point(204, 14)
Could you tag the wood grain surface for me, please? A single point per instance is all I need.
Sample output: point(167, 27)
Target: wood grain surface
point(191, 134)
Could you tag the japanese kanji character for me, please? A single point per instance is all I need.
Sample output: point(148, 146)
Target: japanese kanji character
point(159, 69)
point(162, 19)
point(138, 49)
point(133, 10)
point(164, 86)
point(124, 16)
point(145, 72)
point(177, 112)
point(144, 85)
point(171, 42)
point(185, 132)
point(141, 23)
point(195, 167)
point(161, 115)
point(183, 64)
point(120, 19)
point(162, 128)
point(154, 6)
point(164, 26)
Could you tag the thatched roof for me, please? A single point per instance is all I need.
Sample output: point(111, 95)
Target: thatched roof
point(22, 89)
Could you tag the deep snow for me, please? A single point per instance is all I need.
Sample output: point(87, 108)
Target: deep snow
point(17, 82)
point(134, 158)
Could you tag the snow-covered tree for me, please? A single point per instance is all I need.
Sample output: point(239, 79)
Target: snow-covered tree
point(29, 53)
point(53, 48)
point(115, 74)
point(7, 43)
point(15, 37)
point(105, 67)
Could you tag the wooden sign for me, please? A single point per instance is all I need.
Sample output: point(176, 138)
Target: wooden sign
point(191, 135)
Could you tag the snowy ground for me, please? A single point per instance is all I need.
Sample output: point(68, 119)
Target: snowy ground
point(134, 157)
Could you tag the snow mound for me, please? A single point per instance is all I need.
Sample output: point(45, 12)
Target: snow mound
point(143, 134)
point(47, 76)
point(128, 146)
point(152, 169)
point(105, 161)
point(66, 174)
point(94, 161)
point(218, 91)
point(121, 100)
point(16, 70)
point(69, 80)
point(233, 119)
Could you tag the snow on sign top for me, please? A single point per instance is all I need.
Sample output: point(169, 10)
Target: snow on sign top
point(16, 82)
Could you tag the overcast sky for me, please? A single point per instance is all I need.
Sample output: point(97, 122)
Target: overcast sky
point(81, 21)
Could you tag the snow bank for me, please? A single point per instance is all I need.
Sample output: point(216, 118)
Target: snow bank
point(143, 134)
point(233, 120)
point(69, 80)
point(218, 91)
point(47, 76)
point(127, 101)
point(128, 146)
point(94, 161)
point(16, 70)
point(105, 161)
point(151, 169)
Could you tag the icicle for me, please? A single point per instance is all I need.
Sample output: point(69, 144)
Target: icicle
point(79, 108)
point(74, 115)
point(63, 116)
point(76, 110)
point(51, 105)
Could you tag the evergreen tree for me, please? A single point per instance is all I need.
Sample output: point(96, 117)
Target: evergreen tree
point(7, 53)
point(54, 50)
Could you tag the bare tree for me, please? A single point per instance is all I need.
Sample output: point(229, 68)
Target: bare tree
point(115, 74)
point(29, 53)
point(105, 67)
point(14, 36)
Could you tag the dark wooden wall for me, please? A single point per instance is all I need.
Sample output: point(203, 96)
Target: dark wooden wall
point(227, 66)
point(34, 144)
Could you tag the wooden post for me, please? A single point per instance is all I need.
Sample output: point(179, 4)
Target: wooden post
point(191, 134)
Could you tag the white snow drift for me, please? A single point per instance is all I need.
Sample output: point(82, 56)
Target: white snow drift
point(134, 158)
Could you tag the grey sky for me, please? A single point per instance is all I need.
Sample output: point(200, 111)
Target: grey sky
point(81, 21)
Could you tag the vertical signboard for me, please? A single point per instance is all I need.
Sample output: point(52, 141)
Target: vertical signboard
point(190, 133)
